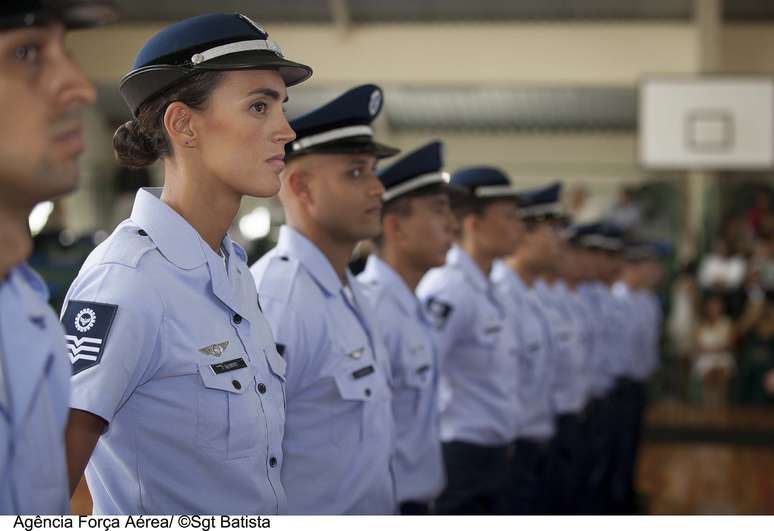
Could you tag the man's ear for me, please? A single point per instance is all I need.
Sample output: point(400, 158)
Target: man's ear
point(391, 227)
point(178, 126)
point(296, 182)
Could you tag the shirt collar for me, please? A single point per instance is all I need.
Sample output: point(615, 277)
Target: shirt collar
point(175, 238)
point(292, 243)
point(33, 287)
point(377, 270)
point(458, 258)
point(501, 272)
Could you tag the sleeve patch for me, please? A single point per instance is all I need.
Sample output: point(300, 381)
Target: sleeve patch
point(87, 325)
point(439, 312)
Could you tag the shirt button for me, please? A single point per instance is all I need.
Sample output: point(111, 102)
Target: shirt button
point(273, 462)
point(236, 384)
point(368, 392)
point(142, 232)
point(237, 318)
point(261, 388)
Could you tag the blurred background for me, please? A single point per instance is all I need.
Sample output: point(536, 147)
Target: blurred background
point(547, 90)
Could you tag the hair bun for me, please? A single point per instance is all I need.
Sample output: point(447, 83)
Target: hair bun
point(133, 148)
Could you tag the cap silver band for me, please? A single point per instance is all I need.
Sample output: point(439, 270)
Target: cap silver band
point(330, 136)
point(601, 242)
point(236, 47)
point(541, 210)
point(495, 191)
point(417, 182)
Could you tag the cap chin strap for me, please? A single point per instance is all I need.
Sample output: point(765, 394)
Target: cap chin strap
point(417, 182)
point(330, 136)
point(236, 47)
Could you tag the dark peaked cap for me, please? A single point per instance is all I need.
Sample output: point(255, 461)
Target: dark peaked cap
point(341, 126)
point(541, 202)
point(421, 168)
point(214, 42)
point(484, 182)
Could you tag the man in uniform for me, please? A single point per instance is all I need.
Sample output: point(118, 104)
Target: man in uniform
point(478, 347)
point(515, 278)
point(42, 94)
point(603, 244)
point(338, 436)
point(417, 231)
point(539, 257)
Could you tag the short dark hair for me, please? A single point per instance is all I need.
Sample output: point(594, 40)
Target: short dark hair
point(142, 141)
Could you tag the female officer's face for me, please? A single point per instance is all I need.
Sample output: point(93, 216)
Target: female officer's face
point(42, 94)
point(344, 195)
point(243, 131)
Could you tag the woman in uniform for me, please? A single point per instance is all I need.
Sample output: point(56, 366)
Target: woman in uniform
point(178, 390)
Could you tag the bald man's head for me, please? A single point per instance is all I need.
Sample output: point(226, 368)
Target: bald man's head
point(338, 194)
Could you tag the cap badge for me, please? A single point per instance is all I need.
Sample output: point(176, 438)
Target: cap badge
point(375, 103)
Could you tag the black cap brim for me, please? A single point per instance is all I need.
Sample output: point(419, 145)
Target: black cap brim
point(353, 145)
point(144, 83)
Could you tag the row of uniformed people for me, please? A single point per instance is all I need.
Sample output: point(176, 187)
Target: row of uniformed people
point(571, 340)
point(194, 392)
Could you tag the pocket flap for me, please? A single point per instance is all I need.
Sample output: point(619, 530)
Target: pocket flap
point(277, 364)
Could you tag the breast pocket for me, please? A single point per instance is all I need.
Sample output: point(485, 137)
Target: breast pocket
point(366, 412)
point(228, 419)
point(485, 341)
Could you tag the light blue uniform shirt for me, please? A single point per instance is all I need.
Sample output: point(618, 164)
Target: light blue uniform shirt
point(339, 431)
point(584, 317)
point(643, 330)
point(479, 353)
point(602, 375)
point(569, 385)
point(183, 367)
point(654, 318)
point(611, 328)
point(408, 336)
point(635, 330)
point(34, 389)
point(535, 378)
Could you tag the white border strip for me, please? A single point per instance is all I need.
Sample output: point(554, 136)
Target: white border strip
point(417, 182)
point(334, 134)
point(236, 47)
point(496, 191)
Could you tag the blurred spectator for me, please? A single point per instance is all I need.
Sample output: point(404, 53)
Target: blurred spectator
point(758, 215)
point(681, 324)
point(762, 263)
point(626, 213)
point(713, 358)
point(724, 273)
point(755, 331)
point(769, 383)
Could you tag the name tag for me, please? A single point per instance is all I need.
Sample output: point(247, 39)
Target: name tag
point(423, 369)
point(230, 365)
point(365, 371)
